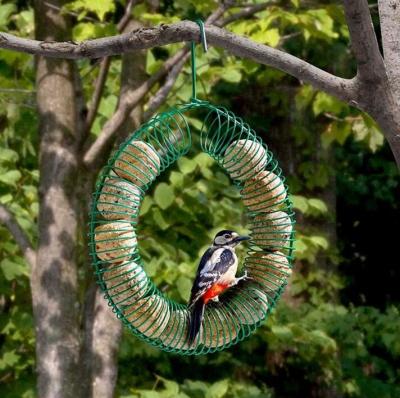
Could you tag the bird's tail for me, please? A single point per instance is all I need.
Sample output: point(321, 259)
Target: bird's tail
point(196, 317)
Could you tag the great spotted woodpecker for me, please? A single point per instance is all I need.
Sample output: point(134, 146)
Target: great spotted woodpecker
point(215, 274)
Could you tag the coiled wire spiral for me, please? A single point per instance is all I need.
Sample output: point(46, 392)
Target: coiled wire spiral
point(141, 306)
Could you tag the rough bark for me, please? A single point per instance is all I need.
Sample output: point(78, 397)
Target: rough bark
point(54, 277)
point(100, 346)
point(102, 329)
point(389, 14)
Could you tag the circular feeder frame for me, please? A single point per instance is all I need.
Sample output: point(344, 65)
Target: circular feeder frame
point(114, 215)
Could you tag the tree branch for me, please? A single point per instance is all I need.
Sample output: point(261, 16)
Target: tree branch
point(389, 14)
point(363, 40)
point(188, 31)
point(9, 221)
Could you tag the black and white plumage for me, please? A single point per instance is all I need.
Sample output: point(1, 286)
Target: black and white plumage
point(216, 273)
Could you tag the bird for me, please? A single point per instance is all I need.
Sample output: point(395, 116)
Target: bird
point(215, 274)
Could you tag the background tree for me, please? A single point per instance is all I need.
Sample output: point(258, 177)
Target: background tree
point(72, 114)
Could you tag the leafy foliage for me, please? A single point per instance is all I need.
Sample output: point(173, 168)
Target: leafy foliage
point(332, 335)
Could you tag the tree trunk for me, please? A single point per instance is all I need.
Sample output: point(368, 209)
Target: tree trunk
point(103, 330)
point(54, 277)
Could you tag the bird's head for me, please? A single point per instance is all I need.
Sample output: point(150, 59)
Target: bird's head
point(228, 238)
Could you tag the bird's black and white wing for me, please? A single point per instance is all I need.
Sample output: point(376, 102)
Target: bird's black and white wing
point(213, 264)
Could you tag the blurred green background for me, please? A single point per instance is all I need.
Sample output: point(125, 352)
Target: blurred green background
point(336, 332)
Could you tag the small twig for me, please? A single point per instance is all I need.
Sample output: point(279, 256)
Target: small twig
point(158, 99)
point(123, 23)
point(17, 90)
point(74, 14)
point(97, 94)
point(247, 11)
point(285, 38)
point(9, 221)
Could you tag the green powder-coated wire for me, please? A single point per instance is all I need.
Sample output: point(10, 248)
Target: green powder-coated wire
point(120, 189)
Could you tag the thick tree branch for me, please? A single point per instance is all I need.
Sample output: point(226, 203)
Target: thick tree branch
point(9, 221)
point(188, 31)
point(389, 14)
point(363, 40)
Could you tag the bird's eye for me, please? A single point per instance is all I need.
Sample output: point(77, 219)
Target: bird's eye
point(227, 236)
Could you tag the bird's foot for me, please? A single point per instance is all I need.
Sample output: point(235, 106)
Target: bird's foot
point(244, 277)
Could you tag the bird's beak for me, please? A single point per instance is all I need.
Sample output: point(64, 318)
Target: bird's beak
point(241, 239)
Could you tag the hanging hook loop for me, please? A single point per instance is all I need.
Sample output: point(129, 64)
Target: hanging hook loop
point(203, 40)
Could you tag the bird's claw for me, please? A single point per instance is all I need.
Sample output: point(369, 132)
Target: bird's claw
point(244, 277)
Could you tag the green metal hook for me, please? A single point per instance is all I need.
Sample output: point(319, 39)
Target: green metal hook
point(203, 40)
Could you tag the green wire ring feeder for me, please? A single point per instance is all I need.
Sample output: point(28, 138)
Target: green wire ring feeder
point(120, 188)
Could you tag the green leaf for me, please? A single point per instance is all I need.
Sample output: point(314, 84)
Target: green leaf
point(204, 160)
point(186, 166)
point(365, 129)
point(9, 359)
point(145, 205)
point(164, 195)
point(325, 103)
point(13, 270)
point(8, 155)
point(98, 7)
point(171, 387)
point(300, 203)
point(218, 389)
point(5, 12)
point(300, 247)
point(10, 177)
point(184, 284)
point(231, 75)
point(84, 31)
point(320, 241)
point(318, 205)
point(108, 105)
point(160, 220)
point(177, 179)
point(269, 37)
